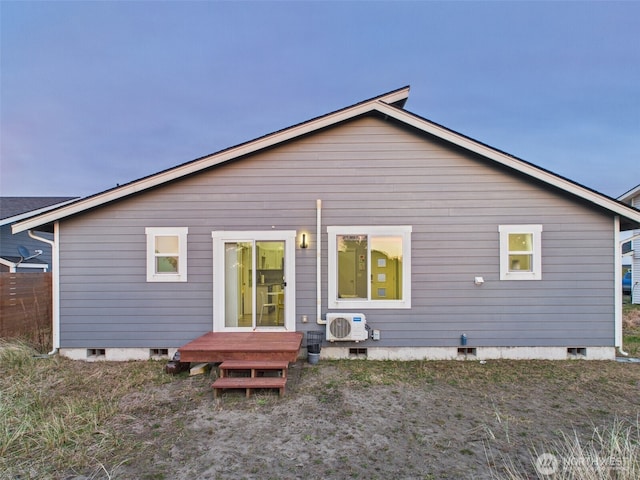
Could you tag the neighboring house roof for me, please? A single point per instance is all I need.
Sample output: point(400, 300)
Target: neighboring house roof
point(390, 105)
point(13, 209)
point(628, 196)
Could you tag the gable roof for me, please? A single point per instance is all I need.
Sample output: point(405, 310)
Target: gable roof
point(390, 105)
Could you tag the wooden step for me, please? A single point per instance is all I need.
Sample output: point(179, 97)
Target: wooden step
point(254, 366)
point(249, 383)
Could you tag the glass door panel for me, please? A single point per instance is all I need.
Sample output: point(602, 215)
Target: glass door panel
point(250, 270)
point(238, 285)
point(270, 285)
point(254, 293)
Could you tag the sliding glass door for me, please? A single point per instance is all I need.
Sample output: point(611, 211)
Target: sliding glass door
point(252, 280)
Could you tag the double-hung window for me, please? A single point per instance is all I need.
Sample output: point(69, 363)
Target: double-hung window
point(166, 254)
point(369, 267)
point(520, 252)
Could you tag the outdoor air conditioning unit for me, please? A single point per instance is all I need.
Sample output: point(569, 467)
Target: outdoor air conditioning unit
point(346, 327)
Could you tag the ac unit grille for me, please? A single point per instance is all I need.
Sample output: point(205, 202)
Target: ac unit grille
point(340, 327)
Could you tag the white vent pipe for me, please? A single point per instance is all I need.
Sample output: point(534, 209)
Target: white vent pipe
point(319, 263)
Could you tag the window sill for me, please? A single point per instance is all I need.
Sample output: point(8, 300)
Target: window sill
point(344, 304)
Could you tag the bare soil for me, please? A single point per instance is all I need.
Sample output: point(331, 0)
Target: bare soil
point(368, 420)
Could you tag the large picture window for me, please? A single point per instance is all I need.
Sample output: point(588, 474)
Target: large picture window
point(166, 254)
point(370, 267)
point(520, 252)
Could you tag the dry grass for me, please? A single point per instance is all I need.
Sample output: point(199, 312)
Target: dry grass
point(612, 452)
point(631, 328)
point(60, 418)
point(55, 414)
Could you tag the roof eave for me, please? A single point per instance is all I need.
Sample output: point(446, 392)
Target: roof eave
point(386, 104)
point(33, 213)
point(615, 206)
point(627, 196)
point(395, 97)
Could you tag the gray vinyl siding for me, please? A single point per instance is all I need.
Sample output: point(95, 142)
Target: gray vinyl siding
point(366, 172)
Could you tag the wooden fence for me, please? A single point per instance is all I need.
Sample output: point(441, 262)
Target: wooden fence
point(25, 307)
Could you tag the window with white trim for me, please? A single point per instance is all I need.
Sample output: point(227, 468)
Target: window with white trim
point(369, 267)
point(520, 252)
point(166, 254)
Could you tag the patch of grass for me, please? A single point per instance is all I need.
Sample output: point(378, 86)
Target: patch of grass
point(55, 413)
point(631, 329)
point(612, 452)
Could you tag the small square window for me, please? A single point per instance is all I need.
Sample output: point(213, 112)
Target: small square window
point(166, 254)
point(520, 252)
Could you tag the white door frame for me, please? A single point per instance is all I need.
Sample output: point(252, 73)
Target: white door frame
point(219, 239)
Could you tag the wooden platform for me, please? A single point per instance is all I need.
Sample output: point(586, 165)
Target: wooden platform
point(222, 346)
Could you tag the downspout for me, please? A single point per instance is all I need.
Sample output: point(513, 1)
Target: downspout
point(55, 285)
point(319, 320)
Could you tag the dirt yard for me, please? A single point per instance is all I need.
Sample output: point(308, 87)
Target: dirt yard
point(367, 420)
point(358, 419)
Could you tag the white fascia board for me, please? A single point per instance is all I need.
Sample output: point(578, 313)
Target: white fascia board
point(32, 213)
point(212, 160)
point(625, 197)
point(508, 161)
point(394, 97)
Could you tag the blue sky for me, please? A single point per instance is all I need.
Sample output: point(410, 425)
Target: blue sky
point(93, 94)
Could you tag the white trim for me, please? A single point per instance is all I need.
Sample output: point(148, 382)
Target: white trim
point(215, 159)
point(181, 233)
point(381, 104)
point(219, 238)
point(505, 272)
point(13, 265)
point(33, 213)
point(10, 265)
point(403, 231)
point(627, 196)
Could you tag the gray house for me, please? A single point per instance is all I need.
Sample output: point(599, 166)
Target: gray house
point(394, 236)
point(631, 248)
point(20, 252)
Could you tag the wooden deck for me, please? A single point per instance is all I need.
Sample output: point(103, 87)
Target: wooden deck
point(222, 346)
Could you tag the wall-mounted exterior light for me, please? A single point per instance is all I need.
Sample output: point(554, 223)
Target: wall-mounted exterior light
point(303, 243)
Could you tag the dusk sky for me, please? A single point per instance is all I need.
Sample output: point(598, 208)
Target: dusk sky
point(98, 93)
